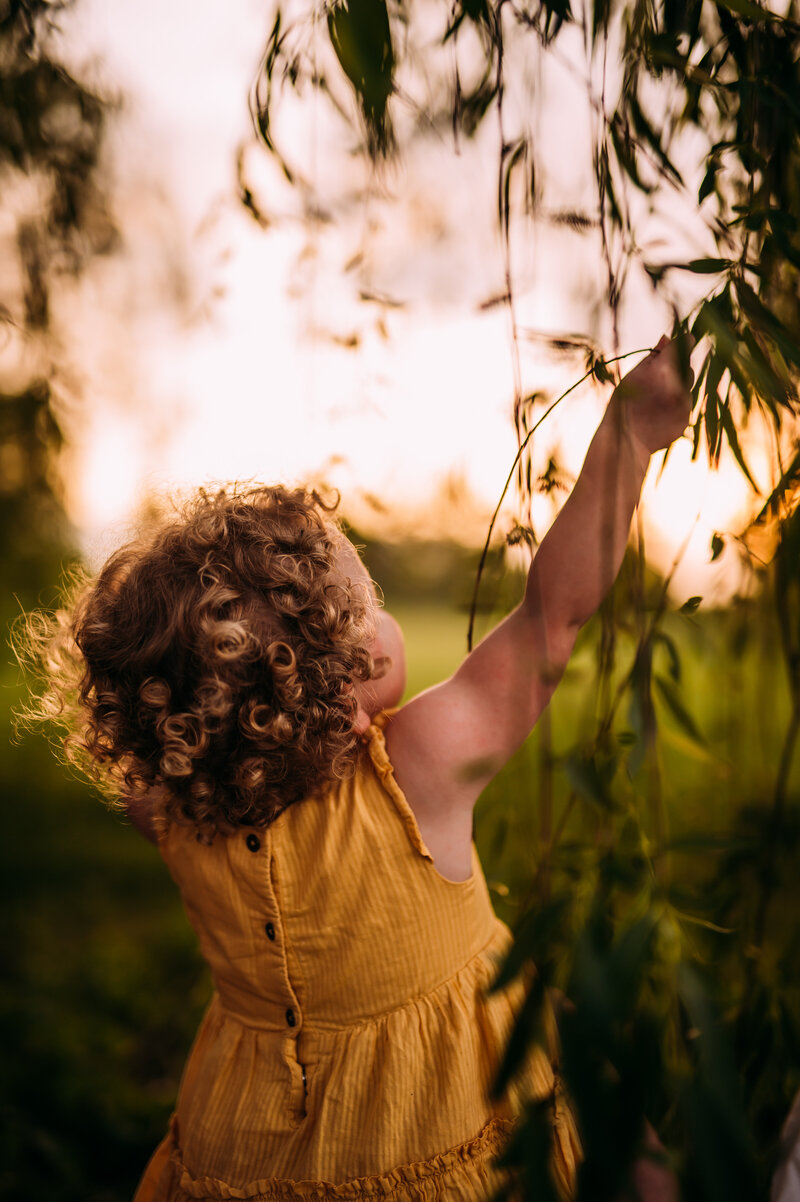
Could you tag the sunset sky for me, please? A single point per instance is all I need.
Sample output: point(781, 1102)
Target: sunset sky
point(209, 348)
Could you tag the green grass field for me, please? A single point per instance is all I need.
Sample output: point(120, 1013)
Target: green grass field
point(102, 986)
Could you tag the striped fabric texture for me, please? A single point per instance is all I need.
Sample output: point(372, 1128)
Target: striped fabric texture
point(351, 1040)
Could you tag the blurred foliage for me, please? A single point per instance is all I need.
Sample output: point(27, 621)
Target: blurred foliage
point(51, 133)
point(82, 1029)
point(728, 71)
point(101, 991)
point(683, 1002)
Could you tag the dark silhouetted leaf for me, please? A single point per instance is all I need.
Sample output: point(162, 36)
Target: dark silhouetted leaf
point(662, 639)
point(362, 39)
point(745, 8)
point(652, 137)
point(588, 781)
point(601, 372)
point(729, 426)
point(708, 266)
point(671, 695)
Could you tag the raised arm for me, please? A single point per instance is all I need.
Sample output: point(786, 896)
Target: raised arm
point(447, 743)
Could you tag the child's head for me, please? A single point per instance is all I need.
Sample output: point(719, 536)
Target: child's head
point(224, 661)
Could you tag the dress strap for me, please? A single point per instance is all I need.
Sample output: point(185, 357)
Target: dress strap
point(376, 745)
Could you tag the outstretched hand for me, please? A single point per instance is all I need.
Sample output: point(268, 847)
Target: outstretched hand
point(654, 398)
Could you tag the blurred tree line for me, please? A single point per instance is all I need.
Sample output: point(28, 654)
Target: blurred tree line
point(57, 217)
point(77, 1090)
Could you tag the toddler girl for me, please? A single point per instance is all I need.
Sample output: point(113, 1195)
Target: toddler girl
point(232, 677)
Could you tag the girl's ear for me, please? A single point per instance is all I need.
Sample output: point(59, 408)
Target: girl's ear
point(362, 721)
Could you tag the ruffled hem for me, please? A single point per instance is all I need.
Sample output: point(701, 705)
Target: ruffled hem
point(461, 1174)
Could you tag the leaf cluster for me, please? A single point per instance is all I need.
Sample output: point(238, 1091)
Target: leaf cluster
point(676, 1002)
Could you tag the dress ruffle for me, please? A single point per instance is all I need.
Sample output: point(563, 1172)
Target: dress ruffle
point(464, 1173)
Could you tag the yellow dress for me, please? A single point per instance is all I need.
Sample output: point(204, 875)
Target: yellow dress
point(350, 1043)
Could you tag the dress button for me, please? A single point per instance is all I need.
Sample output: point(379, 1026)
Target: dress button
point(269, 928)
point(253, 842)
point(290, 1018)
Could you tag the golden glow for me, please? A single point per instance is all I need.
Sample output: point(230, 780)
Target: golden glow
point(211, 349)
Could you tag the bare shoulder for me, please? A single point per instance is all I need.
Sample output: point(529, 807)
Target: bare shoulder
point(418, 739)
point(447, 743)
point(140, 811)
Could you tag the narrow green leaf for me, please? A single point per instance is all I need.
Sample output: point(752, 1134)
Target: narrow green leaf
point(700, 379)
point(711, 416)
point(601, 372)
point(714, 319)
point(585, 778)
point(641, 714)
point(688, 747)
point(663, 639)
point(512, 155)
point(707, 266)
point(695, 920)
point(716, 367)
point(626, 153)
point(600, 14)
point(787, 483)
point(674, 702)
point(528, 1030)
point(709, 181)
point(558, 13)
point(652, 137)
point(729, 426)
point(538, 932)
point(745, 8)
point(769, 321)
point(361, 37)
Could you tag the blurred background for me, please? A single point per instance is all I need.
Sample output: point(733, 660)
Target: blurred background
point(182, 305)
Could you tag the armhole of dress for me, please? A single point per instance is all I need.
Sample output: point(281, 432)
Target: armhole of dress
point(376, 746)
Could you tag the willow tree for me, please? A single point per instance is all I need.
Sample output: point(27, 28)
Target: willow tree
point(682, 1005)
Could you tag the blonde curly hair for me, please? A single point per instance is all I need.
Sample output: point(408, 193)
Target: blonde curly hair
point(211, 662)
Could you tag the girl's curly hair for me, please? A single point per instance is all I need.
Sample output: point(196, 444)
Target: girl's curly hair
point(211, 662)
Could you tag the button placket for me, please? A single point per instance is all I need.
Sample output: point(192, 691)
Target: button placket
point(270, 926)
